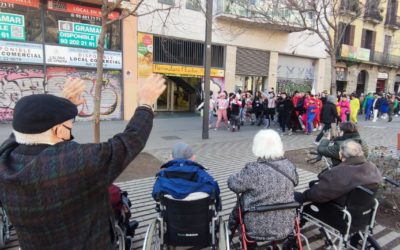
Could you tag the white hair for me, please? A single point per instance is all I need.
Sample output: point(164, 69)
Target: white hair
point(350, 149)
point(268, 144)
point(32, 139)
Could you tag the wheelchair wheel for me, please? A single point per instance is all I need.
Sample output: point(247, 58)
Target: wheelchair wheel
point(2, 234)
point(120, 236)
point(223, 239)
point(152, 239)
point(356, 241)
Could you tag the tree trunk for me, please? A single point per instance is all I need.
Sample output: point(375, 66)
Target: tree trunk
point(333, 74)
point(99, 73)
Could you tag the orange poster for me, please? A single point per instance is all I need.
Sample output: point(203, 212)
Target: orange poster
point(78, 9)
point(29, 3)
point(145, 54)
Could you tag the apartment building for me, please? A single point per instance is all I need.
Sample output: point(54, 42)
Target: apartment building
point(369, 59)
point(247, 54)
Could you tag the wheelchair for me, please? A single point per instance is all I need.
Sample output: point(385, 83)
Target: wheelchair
point(181, 223)
point(5, 227)
point(292, 241)
point(347, 223)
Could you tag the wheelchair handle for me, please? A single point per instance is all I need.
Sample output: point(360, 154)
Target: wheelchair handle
point(273, 207)
point(391, 181)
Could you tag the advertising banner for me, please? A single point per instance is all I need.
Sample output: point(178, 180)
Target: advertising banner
point(185, 70)
point(21, 52)
point(12, 26)
point(29, 3)
point(355, 53)
point(77, 57)
point(77, 9)
point(145, 54)
point(79, 34)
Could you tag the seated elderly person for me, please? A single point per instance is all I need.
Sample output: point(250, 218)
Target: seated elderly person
point(269, 180)
point(184, 179)
point(330, 149)
point(335, 183)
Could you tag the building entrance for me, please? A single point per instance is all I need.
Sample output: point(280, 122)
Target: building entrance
point(181, 95)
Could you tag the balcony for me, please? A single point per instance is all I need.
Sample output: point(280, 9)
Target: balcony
point(349, 7)
point(392, 22)
point(386, 59)
point(258, 13)
point(373, 15)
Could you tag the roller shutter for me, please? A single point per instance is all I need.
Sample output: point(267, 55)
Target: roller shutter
point(252, 62)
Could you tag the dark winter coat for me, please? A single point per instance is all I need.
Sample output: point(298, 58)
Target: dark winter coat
point(340, 180)
point(284, 107)
point(331, 149)
point(57, 195)
point(329, 113)
point(378, 104)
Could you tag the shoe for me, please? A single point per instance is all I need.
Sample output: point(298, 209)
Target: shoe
point(215, 129)
point(390, 119)
point(314, 129)
point(316, 143)
point(290, 132)
point(233, 130)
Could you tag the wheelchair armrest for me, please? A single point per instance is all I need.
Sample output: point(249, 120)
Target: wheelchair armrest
point(274, 207)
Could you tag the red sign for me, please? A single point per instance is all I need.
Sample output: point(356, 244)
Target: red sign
point(30, 3)
point(77, 9)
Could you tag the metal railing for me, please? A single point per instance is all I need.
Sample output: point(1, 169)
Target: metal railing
point(393, 21)
point(374, 14)
point(385, 59)
point(349, 6)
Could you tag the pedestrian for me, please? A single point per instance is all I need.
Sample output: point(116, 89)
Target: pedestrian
point(317, 120)
point(384, 106)
point(285, 108)
point(344, 105)
point(329, 117)
point(311, 108)
point(354, 108)
point(270, 115)
point(361, 99)
point(367, 106)
point(258, 108)
point(376, 106)
point(222, 104)
point(391, 100)
point(54, 189)
point(396, 106)
point(235, 105)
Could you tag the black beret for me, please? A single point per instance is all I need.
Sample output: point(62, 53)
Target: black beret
point(36, 114)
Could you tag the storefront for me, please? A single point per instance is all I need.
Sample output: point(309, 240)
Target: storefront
point(251, 69)
point(295, 74)
point(44, 42)
point(185, 84)
point(381, 82)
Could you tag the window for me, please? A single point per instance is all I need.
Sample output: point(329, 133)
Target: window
point(347, 33)
point(193, 5)
point(30, 26)
point(169, 2)
point(68, 25)
point(368, 39)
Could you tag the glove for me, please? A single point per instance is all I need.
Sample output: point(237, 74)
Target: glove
point(299, 197)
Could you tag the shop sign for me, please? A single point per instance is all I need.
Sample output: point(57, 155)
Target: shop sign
point(12, 26)
point(21, 52)
point(355, 53)
point(383, 75)
point(29, 3)
point(77, 9)
point(77, 57)
point(145, 54)
point(79, 34)
point(185, 70)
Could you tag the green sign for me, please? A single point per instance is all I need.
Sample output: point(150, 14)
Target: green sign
point(79, 34)
point(12, 26)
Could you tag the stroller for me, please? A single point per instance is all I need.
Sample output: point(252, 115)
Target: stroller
point(124, 229)
point(5, 227)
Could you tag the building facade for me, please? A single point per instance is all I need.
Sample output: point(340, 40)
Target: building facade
point(369, 59)
point(247, 55)
point(42, 42)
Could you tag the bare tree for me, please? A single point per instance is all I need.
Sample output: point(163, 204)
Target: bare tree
point(128, 9)
point(328, 19)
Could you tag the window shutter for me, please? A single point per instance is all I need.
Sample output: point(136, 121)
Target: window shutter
point(250, 62)
point(352, 33)
point(363, 37)
point(373, 44)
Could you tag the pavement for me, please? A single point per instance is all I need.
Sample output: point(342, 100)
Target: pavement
point(223, 153)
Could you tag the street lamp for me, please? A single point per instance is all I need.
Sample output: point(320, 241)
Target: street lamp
point(207, 68)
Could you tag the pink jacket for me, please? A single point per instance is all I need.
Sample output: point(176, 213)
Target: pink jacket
point(344, 106)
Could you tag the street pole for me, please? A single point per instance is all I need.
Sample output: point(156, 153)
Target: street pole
point(207, 67)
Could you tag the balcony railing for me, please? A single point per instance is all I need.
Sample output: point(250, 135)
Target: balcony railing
point(386, 59)
point(374, 15)
point(349, 6)
point(259, 12)
point(393, 22)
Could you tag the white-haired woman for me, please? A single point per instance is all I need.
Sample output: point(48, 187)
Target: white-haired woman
point(269, 180)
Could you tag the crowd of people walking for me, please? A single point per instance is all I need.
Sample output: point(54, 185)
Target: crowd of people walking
point(301, 111)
